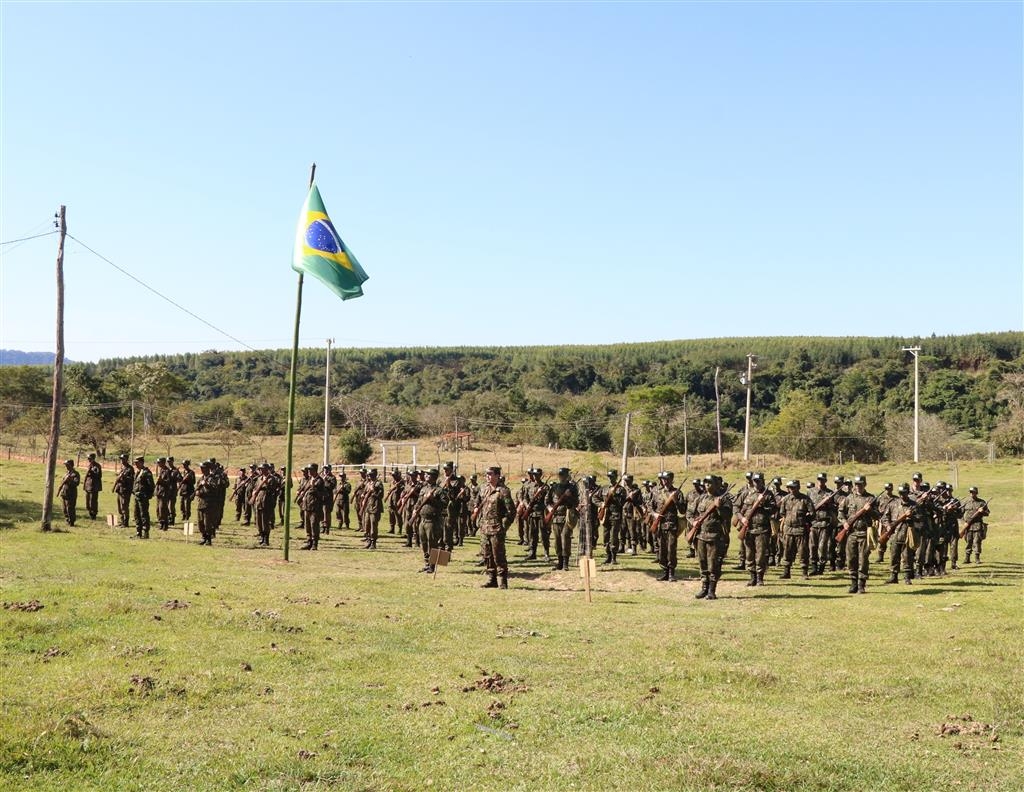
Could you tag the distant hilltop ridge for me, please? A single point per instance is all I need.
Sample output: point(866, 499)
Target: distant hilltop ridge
point(16, 357)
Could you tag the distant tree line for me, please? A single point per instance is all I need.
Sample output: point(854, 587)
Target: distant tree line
point(812, 398)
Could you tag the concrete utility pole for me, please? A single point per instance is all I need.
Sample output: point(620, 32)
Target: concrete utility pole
point(625, 444)
point(748, 380)
point(718, 416)
point(327, 405)
point(914, 350)
point(58, 378)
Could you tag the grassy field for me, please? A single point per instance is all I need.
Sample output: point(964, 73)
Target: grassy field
point(163, 665)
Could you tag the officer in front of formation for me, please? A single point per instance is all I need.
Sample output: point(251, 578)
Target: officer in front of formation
point(123, 485)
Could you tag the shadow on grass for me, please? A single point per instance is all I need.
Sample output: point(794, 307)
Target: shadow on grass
point(13, 512)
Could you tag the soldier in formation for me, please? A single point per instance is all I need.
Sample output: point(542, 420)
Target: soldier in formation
point(68, 492)
point(371, 505)
point(123, 484)
point(92, 485)
point(497, 512)
point(561, 515)
point(187, 489)
point(143, 488)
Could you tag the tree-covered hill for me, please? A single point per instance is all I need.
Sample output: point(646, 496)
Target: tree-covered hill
point(812, 397)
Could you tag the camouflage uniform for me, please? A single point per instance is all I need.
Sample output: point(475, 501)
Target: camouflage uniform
point(92, 486)
point(313, 508)
point(796, 513)
point(187, 490)
point(372, 506)
point(821, 526)
point(430, 505)
point(756, 512)
point(563, 499)
point(164, 493)
point(858, 554)
point(669, 507)
point(330, 483)
point(396, 522)
point(715, 507)
point(68, 493)
point(497, 511)
point(975, 512)
point(342, 494)
point(611, 498)
point(142, 488)
point(123, 489)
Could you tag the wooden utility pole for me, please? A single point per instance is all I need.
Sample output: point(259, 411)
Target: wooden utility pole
point(58, 379)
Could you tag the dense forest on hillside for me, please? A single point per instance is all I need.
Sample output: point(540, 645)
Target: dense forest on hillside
point(811, 397)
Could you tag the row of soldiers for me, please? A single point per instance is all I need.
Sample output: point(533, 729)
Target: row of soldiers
point(775, 525)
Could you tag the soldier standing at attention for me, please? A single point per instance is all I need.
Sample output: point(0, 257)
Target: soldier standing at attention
point(373, 505)
point(563, 500)
point(611, 500)
point(163, 493)
point(453, 508)
point(775, 543)
point(429, 512)
point(205, 503)
point(668, 509)
point(221, 489)
point(238, 493)
point(313, 507)
point(175, 485)
point(342, 493)
point(123, 489)
point(714, 513)
point(357, 497)
point(68, 492)
point(407, 505)
point(884, 501)
point(632, 535)
point(187, 489)
point(975, 529)
point(142, 488)
point(92, 486)
point(281, 494)
point(588, 516)
point(472, 501)
point(796, 513)
point(756, 514)
point(821, 526)
point(738, 498)
point(264, 498)
point(497, 511)
point(897, 520)
point(522, 497)
point(691, 514)
point(250, 484)
point(857, 512)
point(330, 483)
point(395, 522)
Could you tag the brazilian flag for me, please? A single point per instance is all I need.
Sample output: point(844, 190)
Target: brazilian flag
point(320, 252)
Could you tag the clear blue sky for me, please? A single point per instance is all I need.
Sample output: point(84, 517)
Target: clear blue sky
point(514, 174)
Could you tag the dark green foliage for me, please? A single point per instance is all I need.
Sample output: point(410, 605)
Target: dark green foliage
point(354, 448)
point(575, 396)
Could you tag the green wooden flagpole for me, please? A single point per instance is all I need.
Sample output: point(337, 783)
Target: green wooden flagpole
point(291, 408)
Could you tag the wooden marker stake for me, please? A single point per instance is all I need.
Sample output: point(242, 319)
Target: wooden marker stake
point(439, 557)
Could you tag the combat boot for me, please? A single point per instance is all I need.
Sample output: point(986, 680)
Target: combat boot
point(760, 578)
point(671, 576)
point(862, 587)
point(712, 587)
point(785, 574)
point(145, 533)
point(804, 572)
point(853, 585)
point(893, 578)
point(968, 559)
point(908, 579)
point(753, 580)
point(664, 576)
point(978, 559)
point(741, 566)
point(504, 580)
point(492, 580)
point(704, 586)
point(607, 558)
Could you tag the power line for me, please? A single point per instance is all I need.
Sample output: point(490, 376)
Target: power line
point(27, 238)
point(163, 296)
